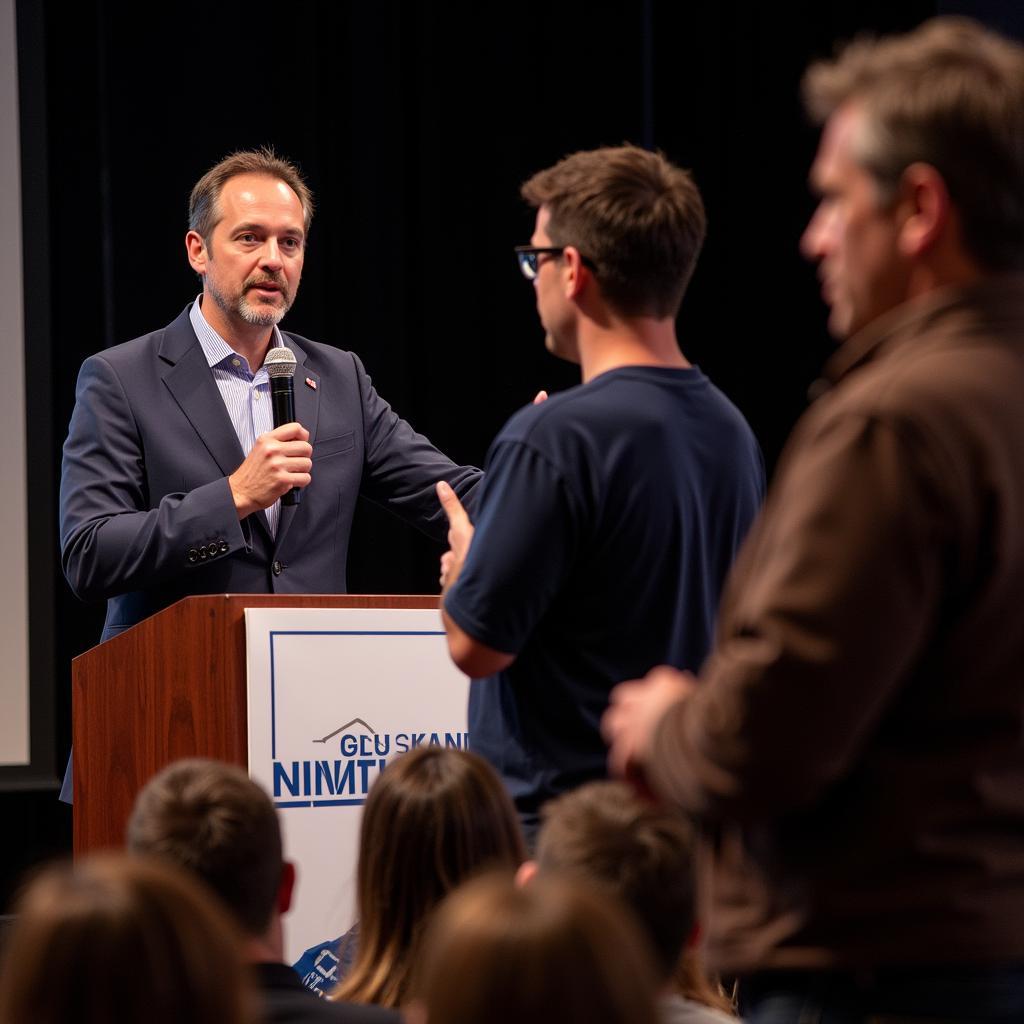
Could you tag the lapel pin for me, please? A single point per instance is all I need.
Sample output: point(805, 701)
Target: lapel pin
point(311, 383)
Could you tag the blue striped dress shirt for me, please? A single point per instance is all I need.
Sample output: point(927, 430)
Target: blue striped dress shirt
point(246, 394)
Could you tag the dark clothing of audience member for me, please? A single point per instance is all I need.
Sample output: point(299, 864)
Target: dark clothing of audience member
point(287, 1001)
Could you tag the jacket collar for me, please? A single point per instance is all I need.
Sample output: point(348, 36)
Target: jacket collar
point(191, 383)
point(996, 295)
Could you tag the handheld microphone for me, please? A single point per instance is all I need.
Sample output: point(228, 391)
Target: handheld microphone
point(280, 364)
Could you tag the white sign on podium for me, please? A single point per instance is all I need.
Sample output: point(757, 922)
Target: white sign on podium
point(334, 694)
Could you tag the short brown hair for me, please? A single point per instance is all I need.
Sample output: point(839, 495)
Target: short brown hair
point(204, 203)
point(114, 938)
point(553, 952)
point(213, 820)
point(433, 818)
point(637, 218)
point(949, 94)
point(604, 833)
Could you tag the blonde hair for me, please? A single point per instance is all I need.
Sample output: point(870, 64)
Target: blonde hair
point(434, 818)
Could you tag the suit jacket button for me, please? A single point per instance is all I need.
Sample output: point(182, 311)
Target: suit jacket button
point(202, 551)
point(193, 555)
point(276, 568)
point(223, 547)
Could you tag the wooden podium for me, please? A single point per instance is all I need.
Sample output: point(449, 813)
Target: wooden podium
point(173, 686)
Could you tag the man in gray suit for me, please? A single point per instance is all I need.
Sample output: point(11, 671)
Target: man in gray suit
point(173, 472)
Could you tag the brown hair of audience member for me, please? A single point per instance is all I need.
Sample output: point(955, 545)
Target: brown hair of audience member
point(949, 94)
point(213, 820)
point(633, 215)
point(606, 835)
point(116, 938)
point(553, 952)
point(204, 203)
point(433, 818)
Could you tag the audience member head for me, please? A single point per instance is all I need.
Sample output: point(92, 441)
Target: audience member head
point(605, 834)
point(204, 204)
point(636, 220)
point(920, 167)
point(115, 938)
point(213, 820)
point(553, 952)
point(949, 94)
point(433, 818)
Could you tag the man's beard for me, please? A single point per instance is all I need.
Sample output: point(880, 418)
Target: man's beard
point(258, 314)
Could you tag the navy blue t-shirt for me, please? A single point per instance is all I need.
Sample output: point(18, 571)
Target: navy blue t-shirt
point(607, 520)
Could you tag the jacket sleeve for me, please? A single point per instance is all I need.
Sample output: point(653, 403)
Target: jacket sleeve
point(827, 611)
point(402, 467)
point(114, 539)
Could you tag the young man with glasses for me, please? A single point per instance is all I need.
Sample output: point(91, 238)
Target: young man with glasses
point(610, 513)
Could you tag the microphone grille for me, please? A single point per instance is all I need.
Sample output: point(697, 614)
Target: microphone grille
point(280, 362)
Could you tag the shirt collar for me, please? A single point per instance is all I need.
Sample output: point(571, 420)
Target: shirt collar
point(214, 347)
point(911, 318)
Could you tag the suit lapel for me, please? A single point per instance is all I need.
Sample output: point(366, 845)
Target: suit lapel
point(190, 382)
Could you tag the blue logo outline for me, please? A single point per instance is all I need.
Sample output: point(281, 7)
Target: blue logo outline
point(273, 634)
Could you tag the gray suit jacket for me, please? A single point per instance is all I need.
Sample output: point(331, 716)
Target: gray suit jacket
point(146, 514)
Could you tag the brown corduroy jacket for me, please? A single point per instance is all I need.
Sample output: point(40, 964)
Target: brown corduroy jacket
point(856, 742)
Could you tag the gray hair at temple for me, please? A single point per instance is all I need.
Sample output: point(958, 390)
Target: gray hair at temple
point(949, 94)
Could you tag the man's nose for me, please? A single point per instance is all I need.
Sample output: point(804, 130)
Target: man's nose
point(812, 241)
point(270, 255)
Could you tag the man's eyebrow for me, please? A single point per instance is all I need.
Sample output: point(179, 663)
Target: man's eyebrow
point(254, 228)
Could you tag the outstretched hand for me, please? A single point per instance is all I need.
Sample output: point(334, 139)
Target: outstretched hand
point(460, 534)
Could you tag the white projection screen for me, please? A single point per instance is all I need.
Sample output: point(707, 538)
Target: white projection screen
point(14, 667)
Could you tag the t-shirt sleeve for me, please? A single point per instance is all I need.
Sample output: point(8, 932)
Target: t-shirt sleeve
point(527, 535)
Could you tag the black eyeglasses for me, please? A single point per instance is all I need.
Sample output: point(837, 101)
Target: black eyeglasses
point(527, 256)
point(529, 264)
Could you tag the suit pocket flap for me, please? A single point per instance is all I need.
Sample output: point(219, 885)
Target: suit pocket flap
point(338, 445)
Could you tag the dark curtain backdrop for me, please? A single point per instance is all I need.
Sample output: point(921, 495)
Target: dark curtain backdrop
point(415, 123)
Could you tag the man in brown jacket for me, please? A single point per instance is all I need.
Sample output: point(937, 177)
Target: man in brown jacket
point(856, 740)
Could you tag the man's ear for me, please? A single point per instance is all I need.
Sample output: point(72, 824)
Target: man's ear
point(286, 887)
point(576, 274)
point(925, 198)
point(197, 252)
point(527, 873)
